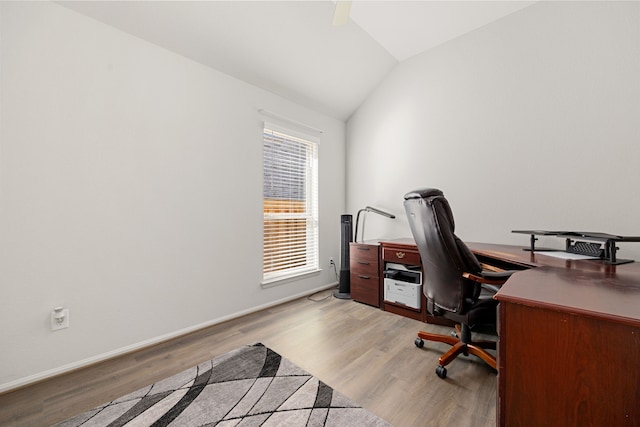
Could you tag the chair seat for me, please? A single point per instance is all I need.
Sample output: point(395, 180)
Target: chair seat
point(482, 312)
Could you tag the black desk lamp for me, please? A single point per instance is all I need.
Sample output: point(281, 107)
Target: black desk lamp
point(369, 209)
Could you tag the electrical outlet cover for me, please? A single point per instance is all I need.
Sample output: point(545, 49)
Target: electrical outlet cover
point(55, 326)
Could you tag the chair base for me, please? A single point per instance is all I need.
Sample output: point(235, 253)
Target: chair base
point(477, 348)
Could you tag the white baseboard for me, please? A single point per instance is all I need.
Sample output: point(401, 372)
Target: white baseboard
point(146, 343)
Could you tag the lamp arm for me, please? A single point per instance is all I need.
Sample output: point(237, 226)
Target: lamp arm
point(379, 212)
point(355, 236)
point(369, 209)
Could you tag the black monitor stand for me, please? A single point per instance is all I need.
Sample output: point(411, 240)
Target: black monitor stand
point(533, 239)
point(610, 242)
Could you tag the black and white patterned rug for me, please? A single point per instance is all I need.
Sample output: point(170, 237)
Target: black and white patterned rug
point(249, 386)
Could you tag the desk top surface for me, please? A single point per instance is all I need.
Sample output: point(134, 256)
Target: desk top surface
point(584, 287)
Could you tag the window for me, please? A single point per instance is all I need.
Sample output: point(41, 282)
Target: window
point(290, 195)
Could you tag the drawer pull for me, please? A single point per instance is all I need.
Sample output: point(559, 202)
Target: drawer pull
point(362, 248)
point(400, 254)
point(364, 277)
point(363, 262)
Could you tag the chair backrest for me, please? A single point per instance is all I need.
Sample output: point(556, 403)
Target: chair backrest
point(444, 257)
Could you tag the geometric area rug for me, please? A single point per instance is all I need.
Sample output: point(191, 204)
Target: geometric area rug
point(250, 386)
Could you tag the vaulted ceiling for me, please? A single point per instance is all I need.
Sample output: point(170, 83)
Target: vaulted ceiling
point(292, 48)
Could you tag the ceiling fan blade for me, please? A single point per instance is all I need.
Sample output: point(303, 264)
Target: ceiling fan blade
point(341, 12)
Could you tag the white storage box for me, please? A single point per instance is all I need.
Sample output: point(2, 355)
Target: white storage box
point(401, 292)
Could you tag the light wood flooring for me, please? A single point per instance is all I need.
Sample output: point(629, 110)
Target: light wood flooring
point(363, 352)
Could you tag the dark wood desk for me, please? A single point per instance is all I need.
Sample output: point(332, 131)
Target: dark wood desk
point(403, 251)
point(569, 346)
point(569, 340)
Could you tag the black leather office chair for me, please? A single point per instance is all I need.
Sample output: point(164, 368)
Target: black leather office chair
point(454, 282)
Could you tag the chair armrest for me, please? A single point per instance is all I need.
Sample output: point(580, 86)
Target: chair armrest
point(498, 275)
point(490, 277)
point(490, 280)
point(491, 288)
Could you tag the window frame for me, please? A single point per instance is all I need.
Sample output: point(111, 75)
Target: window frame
point(283, 271)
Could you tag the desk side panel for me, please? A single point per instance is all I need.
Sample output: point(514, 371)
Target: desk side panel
point(565, 369)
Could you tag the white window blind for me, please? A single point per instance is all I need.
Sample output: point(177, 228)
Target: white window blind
point(290, 195)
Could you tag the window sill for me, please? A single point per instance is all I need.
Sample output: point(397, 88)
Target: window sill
point(288, 278)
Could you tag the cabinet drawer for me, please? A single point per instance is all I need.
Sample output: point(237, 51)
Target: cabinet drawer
point(401, 256)
point(363, 259)
point(365, 289)
point(364, 252)
point(368, 268)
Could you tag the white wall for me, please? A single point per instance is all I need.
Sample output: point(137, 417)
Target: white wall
point(130, 192)
point(530, 122)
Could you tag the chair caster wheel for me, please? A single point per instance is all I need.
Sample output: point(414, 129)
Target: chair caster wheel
point(419, 342)
point(441, 371)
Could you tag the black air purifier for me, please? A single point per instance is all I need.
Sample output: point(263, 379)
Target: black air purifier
point(346, 237)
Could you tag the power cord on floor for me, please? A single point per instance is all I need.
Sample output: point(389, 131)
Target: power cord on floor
point(335, 271)
point(330, 290)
